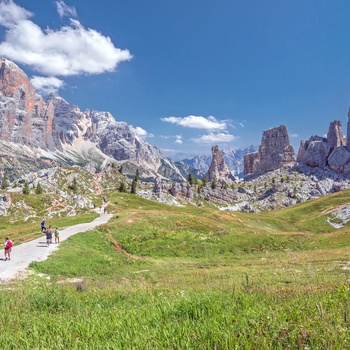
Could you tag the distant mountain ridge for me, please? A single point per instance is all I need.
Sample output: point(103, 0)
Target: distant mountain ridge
point(234, 159)
point(54, 129)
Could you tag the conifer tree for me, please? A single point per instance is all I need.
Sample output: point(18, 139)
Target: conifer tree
point(190, 179)
point(133, 186)
point(4, 183)
point(74, 185)
point(38, 189)
point(122, 187)
point(214, 184)
point(26, 188)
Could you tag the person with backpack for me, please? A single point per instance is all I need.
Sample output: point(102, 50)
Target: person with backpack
point(8, 248)
point(57, 235)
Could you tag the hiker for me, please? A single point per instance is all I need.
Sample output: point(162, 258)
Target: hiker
point(8, 248)
point(48, 234)
point(57, 235)
point(50, 231)
point(43, 227)
point(104, 210)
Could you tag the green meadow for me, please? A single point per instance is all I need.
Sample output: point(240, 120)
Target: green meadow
point(165, 277)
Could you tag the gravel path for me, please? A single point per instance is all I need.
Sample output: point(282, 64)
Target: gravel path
point(36, 250)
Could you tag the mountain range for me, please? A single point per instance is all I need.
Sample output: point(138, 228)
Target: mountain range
point(37, 132)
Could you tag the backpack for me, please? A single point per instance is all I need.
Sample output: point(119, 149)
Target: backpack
point(9, 244)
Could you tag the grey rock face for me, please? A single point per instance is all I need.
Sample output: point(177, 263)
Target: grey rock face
point(332, 152)
point(339, 160)
point(56, 125)
point(335, 137)
point(218, 169)
point(24, 116)
point(316, 154)
point(275, 152)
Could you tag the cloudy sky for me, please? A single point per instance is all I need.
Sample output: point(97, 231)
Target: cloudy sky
point(190, 74)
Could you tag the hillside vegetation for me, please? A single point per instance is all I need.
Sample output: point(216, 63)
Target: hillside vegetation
point(162, 277)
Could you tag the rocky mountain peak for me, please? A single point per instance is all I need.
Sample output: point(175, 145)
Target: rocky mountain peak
point(68, 133)
point(274, 152)
point(218, 169)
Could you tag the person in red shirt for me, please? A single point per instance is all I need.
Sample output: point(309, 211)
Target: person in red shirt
point(8, 248)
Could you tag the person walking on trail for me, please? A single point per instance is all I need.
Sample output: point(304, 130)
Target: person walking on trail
point(57, 235)
point(50, 231)
point(43, 227)
point(48, 234)
point(8, 248)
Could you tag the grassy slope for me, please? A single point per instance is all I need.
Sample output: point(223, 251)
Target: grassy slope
point(194, 277)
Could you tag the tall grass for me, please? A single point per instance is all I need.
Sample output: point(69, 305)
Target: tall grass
point(55, 317)
point(159, 277)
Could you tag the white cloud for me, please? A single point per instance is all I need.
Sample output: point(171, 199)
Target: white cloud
point(64, 10)
point(143, 133)
point(10, 14)
point(294, 136)
point(197, 122)
point(179, 141)
point(45, 85)
point(215, 138)
point(70, 50)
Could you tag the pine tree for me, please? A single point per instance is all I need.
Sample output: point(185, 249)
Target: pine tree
point(133, 186)
point(26, 188)
point(190, 179)
point(38, 189)
point(74, 185)
point(121, 169)
point(137, 175)
point(4, 183)
point(204, 181)
point(122, 187)
point(214, 184)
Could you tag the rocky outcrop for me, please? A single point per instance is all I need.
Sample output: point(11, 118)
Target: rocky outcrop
point(25, 118)
point(316, 154)
point(274, 152)
point(234, 158)
point(332, 151)
point(335, 137)
point(218, 169)
point(68, 133)
point(250, 161)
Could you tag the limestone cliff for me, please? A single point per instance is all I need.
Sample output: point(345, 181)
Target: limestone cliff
point(274, 152)
point(331, 151)
point(59, 130)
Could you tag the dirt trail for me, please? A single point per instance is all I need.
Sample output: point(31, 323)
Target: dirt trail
point(36, 250)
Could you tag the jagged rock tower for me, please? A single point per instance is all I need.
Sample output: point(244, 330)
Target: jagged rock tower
point(218, 168)
point(275, 152)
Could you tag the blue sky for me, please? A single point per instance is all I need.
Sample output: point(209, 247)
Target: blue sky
point(190, 74)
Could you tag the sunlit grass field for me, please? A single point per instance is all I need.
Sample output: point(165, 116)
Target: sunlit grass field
point(161, 277)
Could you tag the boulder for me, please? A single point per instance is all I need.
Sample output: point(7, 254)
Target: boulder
point(316, 154)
